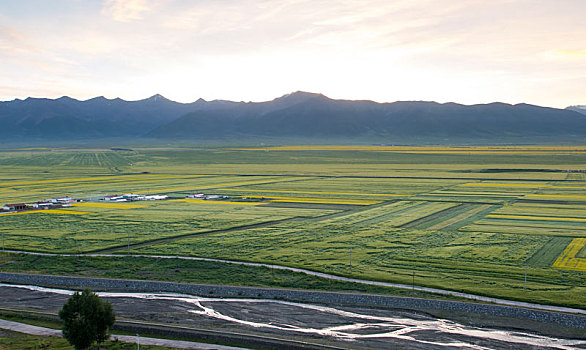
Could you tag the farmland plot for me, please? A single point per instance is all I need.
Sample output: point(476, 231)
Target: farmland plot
point(467, 220)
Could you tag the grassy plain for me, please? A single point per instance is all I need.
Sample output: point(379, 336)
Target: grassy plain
point(467, 219)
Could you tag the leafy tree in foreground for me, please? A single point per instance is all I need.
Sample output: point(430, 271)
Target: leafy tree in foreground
point(86, 318)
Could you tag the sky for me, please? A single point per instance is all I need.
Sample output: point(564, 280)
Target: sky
point(464, 51)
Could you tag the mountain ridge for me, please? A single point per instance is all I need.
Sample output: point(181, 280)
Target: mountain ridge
point(296, 115)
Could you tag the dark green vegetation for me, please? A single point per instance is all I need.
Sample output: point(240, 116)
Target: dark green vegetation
point(375, 213)
point(86, 319)
point(186, 271)
point(294, 118)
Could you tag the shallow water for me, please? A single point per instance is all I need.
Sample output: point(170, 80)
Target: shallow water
point(352, 327)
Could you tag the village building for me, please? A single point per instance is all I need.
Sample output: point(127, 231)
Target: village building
point(43, 205)
point(15, 207)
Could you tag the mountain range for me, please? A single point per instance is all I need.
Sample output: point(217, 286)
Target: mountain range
point(300, 115)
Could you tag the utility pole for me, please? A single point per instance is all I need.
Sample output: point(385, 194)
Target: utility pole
point(525, 285)
point(350, 257)
point(413, 281)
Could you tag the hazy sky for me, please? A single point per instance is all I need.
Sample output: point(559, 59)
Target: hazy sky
point(466, 51)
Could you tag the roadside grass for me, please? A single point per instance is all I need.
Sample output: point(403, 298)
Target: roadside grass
point(189, 271)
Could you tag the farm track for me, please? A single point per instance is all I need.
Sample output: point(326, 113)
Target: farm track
point(324, 176)
point(385, 177)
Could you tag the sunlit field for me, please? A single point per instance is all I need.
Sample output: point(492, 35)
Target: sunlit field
point(471, 219)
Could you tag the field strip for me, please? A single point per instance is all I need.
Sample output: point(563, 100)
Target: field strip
point(195, 187)
point(381, 213)
point(424, 220)
point(481, 152)
point(320, 192)
point(107, 178)
point(479, 192)
point(48, 211)
point(420, 211)
point(204, 201)
point(520, 207)
point(568, 260)
point(460, 217)
point(319, 200)
point(247, 183)
point(424, 150)
point(480, 195)
point(483, 184)
point(530, 217)
point(549, 252)
point(420, 148)
point(115, 205)
point(555, 196)
point(336, 278)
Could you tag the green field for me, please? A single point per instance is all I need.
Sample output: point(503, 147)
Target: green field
point(468, 221)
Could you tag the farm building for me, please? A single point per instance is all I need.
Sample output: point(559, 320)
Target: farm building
point(15, 207)
point(134, 197)
point(65, 199)
point(43, 205)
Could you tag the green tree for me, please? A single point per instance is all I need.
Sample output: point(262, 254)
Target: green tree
point(86, 318)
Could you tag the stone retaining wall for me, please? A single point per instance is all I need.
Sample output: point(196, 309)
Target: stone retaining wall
point(568, 320)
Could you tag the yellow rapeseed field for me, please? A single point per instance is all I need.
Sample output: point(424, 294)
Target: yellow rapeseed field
point(61, 211)
point(48, 211)
point(531, 217)
point(568, 260)
point(570, 196)
point(482, 184)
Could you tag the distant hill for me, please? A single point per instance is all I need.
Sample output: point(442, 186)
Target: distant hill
point(300, 115)
point(579, 109)
point(95, 118)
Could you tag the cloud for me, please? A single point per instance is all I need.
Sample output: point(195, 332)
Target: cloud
point(565, 55)
point(125, 10)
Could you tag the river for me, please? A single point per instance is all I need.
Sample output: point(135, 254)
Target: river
point(341, 326)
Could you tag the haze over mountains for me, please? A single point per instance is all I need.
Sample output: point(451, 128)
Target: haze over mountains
point(300, 115)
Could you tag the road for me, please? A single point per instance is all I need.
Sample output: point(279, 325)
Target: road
point(176, 344)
